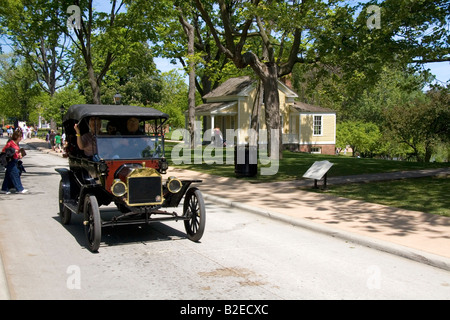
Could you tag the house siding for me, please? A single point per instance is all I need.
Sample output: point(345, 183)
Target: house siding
point(297, 118)
point(328, 129)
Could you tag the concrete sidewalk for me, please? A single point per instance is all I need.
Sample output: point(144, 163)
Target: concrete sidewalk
point(411, 234)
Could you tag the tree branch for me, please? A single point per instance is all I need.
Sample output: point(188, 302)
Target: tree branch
point(214, 33)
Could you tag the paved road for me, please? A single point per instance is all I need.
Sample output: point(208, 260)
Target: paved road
point(241, 256)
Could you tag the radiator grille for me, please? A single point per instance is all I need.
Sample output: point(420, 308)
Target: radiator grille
point(144, 190)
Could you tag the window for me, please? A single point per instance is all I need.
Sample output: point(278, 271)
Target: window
point(316, 150)
point(317, 125)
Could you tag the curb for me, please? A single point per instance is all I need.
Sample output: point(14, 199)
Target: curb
point(4, 288)
point(398, 250)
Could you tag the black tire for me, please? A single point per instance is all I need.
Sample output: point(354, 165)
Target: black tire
point(92, 223)
point(194, 208)
point(64, 213)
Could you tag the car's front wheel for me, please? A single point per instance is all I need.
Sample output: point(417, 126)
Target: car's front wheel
point(194, 209)
point(92, 223)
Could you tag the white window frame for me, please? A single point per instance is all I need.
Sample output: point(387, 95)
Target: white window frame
point(317, 150)
point(314, 125)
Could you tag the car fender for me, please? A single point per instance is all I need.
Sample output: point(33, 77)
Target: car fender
point(69, 185)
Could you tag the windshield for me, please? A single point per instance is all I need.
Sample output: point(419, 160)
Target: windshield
point(129, 147)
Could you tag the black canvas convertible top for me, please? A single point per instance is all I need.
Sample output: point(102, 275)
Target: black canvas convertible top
point(80, 111)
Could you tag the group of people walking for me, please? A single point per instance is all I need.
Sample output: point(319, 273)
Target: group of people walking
point(55, 140)
point(14, 153)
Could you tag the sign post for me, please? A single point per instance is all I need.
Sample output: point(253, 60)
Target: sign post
point(318, 171)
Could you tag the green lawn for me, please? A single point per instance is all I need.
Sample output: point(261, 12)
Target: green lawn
point(429, 194)
point(421, 194)
point(295, 164)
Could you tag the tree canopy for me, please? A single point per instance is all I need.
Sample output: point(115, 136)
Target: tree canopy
point(359, 58)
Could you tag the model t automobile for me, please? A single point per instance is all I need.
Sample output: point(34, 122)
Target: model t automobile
point(125, 168)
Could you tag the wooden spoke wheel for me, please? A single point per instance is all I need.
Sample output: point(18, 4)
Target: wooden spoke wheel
point(92, 223)
point(194, 209)
point(64, 213)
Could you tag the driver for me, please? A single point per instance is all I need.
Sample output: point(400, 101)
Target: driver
point(133, 126)
point(86, 141)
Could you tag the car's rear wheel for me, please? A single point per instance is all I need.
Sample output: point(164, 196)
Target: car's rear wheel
point(194, 209)
point(92, 223)
point(64, 213)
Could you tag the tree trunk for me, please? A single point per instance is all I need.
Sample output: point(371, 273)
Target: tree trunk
point(191, 97)
point(272, 110)
point(189, 30)
point(428, 153)
point(96, 97)
point(256, 109)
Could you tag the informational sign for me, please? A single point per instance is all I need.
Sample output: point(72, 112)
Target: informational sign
point(318, 170)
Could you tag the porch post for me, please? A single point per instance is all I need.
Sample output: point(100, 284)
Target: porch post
point(212, 127)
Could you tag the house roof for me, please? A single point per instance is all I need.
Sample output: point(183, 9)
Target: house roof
point(231, 87)
point(213, 107)
point(304, 107)
point(226, 95)
point(241, 86)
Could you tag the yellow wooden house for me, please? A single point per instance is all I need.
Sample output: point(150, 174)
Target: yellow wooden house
point(305, 127)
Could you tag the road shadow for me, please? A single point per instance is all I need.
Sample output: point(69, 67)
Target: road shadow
point(361, 216)
point(123, 234)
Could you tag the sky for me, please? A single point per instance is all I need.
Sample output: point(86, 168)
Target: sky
point(441, 70)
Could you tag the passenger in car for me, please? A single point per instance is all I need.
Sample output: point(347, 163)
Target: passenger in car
point(111, 129)
point(86, 142)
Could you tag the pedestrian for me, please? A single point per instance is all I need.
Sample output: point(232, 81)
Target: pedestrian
point(12, 174)
point(58, 142)
point(218, 138)
point(24, 132)
point(51, 138)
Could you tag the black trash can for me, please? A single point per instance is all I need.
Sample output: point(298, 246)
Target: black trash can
point(245, 160)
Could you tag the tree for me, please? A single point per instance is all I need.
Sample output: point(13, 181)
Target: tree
point(173, 102)
point(103, 37)
point(183, 36)
point(189, 31)
point(49, 107)
point(422, 123)
point(18, 87)
point(419, 30)
point(394, 87)
point(33, 27)
point(363, 137)
point(134, 76)
point(354, 57)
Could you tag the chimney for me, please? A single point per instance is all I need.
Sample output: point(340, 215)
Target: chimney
point(287, 80)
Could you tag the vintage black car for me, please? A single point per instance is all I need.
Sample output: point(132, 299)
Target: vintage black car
point(126, 168)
